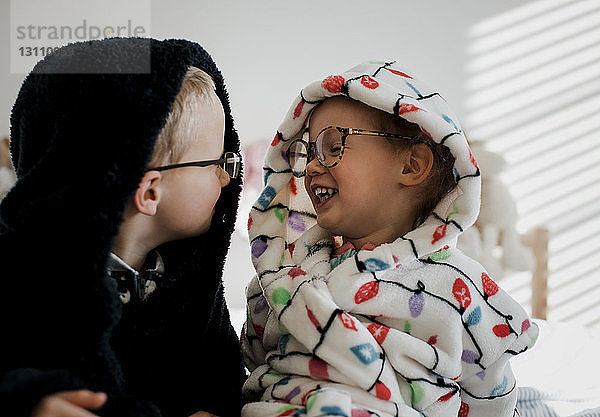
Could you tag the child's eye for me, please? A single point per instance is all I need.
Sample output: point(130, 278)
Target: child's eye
point(334, 149)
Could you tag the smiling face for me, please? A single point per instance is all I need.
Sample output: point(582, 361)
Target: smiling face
point(361, 198)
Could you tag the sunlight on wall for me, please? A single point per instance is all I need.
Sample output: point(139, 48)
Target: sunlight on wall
point(534, 97)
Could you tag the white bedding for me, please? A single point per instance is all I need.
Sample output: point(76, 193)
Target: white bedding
point(560, 376)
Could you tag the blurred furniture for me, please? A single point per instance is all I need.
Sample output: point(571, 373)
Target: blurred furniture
point(537, 240)
point(7, 175)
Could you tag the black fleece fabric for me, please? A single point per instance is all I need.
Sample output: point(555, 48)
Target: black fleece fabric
point(83, 128)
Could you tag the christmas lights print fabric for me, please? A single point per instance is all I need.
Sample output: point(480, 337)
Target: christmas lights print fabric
point(409, 328)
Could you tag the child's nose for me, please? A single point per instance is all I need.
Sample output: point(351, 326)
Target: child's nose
point(223, 177)
point(314, 168)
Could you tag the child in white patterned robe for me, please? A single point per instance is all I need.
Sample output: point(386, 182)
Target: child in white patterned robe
point(406, 325)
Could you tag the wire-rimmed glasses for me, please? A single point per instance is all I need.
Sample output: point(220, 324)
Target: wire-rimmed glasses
point(230, 162)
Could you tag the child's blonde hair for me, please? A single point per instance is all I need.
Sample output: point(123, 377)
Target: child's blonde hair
point(178, 133)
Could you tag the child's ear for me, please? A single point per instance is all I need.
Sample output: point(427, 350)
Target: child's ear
point(147, 195)
point(417, 162)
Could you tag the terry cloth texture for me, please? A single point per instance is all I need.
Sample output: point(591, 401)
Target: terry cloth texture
point(80, 145)
point(409, 328)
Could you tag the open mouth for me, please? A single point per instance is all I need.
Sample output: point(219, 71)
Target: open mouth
point(324, 193)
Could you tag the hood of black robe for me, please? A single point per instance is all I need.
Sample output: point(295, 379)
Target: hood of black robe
point(83, 130)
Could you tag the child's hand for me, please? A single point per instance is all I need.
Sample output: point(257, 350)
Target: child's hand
point(69, 404)
point(203, 414)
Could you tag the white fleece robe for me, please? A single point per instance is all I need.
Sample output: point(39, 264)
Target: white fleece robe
point(410, 328)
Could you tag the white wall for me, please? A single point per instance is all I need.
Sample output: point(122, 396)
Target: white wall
point(268, 49)
point(532, 90)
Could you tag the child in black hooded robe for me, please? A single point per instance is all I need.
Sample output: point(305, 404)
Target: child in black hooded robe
point(83, 131)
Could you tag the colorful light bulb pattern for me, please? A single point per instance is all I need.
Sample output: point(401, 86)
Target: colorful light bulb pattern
point(371, 321)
